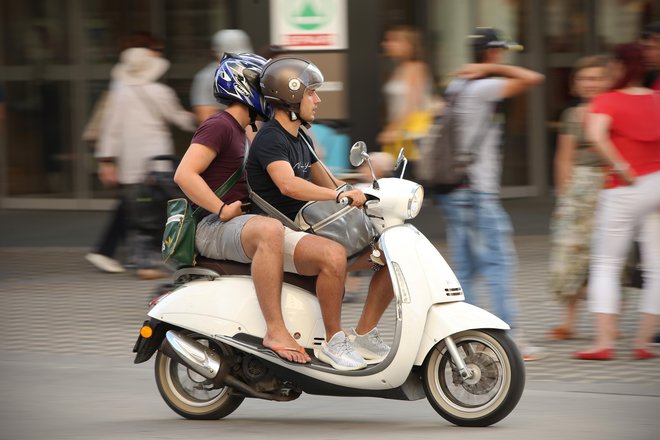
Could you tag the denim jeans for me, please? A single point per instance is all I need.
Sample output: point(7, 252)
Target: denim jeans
point(479, 235)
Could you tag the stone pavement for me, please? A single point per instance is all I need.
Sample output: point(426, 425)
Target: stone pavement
point(53, 301)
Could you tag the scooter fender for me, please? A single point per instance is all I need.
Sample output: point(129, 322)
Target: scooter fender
point(447, 319)
point(228, 305)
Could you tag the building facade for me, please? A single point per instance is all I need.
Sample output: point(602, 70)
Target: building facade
point(56, 55)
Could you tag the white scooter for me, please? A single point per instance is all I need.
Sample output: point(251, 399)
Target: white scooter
point(208, 332)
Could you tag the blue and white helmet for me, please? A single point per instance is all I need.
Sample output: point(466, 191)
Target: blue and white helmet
point(237, 80)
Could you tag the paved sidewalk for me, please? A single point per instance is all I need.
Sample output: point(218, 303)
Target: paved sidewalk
point(55, 302)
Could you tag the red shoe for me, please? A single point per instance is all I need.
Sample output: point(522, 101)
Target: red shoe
point(606, 354)
point(641, 354)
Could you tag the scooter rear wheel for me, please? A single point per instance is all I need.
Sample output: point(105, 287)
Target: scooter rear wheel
point(190, 394)
point(491, 393)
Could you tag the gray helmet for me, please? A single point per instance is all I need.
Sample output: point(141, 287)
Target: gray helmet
point(285, 79)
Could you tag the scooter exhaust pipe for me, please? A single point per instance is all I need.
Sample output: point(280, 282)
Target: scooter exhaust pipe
point(189, 352)
point(208, 363)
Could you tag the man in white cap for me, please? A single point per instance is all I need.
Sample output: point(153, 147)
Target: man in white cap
point(201, 92)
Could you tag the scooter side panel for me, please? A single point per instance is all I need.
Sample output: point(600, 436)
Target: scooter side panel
point(427, 275)
point(228, 305)
point(447, 319)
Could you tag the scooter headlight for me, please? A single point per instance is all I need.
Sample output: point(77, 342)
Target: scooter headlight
point(415, 201)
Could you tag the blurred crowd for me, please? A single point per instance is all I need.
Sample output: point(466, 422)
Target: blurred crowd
point(606, 225)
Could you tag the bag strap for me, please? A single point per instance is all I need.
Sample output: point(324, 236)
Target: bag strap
point(229, 183)
point(327, 171)
point(144, 97)
point(272, 211)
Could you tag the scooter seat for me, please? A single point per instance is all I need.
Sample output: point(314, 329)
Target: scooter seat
point(227, 267)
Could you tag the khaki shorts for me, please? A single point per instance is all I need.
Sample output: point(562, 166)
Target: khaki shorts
point(222, 240)
point(291, 239)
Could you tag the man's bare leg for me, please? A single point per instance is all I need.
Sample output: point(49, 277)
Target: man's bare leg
point(319, 256)
point(379, 296)
point(263, 241)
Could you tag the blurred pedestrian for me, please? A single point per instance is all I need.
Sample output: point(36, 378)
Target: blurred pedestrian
point(579, 176)
point(92, 129)
point(135, 129)
point(479, 231)
point(408, 93)
point(651, 42)
point(202, 100)
point(116, 231)
point(624, 125)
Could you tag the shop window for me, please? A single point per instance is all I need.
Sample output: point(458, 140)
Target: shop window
point(40, 158)
point(34, 32)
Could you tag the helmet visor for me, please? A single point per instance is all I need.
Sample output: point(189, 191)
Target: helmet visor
point(312, 77)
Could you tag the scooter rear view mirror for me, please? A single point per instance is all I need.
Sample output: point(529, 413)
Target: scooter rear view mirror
point(358, 153)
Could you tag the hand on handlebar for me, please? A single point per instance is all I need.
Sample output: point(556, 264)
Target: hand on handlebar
point(354, 197)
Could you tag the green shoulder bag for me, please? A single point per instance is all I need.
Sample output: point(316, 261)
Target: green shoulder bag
point(178, 245)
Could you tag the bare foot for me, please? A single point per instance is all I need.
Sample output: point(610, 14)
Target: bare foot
point(286, 348)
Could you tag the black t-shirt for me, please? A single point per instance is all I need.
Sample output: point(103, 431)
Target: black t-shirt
point(273, 143)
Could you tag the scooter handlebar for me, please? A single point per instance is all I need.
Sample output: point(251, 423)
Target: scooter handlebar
point(345, 201)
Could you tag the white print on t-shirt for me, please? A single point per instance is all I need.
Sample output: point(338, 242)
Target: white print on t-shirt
point(302, 166)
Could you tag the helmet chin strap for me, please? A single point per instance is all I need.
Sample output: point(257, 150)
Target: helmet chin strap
point(253, 119)
point(296, 116)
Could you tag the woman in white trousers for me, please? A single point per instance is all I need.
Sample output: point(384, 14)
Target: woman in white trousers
point(624, 125)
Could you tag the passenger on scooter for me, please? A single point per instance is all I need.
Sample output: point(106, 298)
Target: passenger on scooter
point(216, 151)
point(282, 170)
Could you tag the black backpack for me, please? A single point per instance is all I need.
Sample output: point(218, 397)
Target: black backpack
point(443, 164)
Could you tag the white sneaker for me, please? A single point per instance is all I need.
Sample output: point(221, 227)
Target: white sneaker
point(339, 353)
point(371, 346)
point(106, 264)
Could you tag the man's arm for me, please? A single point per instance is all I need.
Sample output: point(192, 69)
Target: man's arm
point(290, 185)
point(516, 79)
point(321, 178)
point(188, 177)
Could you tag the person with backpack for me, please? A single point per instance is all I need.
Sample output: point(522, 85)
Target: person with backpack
point(479, 231)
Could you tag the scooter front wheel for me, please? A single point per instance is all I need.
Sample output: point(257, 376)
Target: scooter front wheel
point(492, 391)
point(189, 394)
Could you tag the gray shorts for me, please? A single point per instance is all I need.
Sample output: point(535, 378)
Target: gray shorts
point(222, 240)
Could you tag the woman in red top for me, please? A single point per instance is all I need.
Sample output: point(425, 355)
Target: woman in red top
point(624, 125)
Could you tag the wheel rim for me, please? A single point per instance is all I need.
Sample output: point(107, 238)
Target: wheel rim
point(491, 379)
point(190, 387)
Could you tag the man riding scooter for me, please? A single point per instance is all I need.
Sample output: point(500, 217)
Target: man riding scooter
point(283, 171)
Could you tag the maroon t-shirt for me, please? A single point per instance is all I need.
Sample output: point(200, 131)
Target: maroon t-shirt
point(226, 137)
